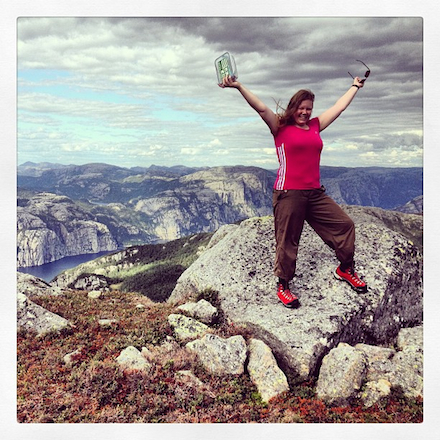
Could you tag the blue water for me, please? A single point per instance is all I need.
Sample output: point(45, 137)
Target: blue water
point(49, 271)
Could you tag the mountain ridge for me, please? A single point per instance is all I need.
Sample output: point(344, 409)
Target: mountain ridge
point(382, 187)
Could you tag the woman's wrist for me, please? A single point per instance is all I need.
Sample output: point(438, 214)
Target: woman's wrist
point(355, 85)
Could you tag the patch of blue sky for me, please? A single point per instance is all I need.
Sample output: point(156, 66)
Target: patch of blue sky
point(78, 93)
point(79, 128)
point(51, 82)
point(37, 75)
point(168, 114)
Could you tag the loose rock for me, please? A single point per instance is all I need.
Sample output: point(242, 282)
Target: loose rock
point(201, 310)
point(342, 375)
point(132, 359)
point(264, 371)
point(187, 328)
point(31, 316)
point(94, 294)
point(221, 356)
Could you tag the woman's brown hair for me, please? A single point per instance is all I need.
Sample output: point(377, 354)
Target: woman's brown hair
point(285, 117)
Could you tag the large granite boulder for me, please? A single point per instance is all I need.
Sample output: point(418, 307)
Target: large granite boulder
point(239, 266)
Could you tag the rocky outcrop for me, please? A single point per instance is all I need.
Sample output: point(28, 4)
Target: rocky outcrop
point(233, 355)
point(30, 285)
point(369, 373)
point(51, 227)
point(239, 268)
point(31, 316)
point(347, 373)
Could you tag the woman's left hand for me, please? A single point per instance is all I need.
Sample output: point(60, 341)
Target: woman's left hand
point(358, 82)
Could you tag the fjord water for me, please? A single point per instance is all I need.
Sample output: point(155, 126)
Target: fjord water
point(49, 271)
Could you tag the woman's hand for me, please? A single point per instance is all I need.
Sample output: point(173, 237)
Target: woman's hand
point(358, 82)
point(228, 81)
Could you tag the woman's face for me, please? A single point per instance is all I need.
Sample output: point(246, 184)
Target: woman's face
point(303, 113)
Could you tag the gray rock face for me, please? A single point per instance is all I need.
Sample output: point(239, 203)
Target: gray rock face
point(205, 200)
point(240, 268)
point(31, 316)
point(342, 374)
point(51, 227)
point(220, 356)
point(264, 371)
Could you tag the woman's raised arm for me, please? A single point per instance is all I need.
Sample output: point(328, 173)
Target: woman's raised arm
point(326, 118)
point(268, 116)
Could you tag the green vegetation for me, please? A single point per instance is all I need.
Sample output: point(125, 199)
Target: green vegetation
point(157, 283)
point(152, 269)
point(163, 264)
point(93, 389)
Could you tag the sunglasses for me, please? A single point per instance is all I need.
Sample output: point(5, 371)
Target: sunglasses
point(367, 73)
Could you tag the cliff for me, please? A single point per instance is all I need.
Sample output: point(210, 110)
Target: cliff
point(50, 227)
point(205, 200)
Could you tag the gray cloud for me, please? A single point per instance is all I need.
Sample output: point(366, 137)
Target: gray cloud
point(150, 75)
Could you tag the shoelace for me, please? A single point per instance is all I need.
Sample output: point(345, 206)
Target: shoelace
point(288, 296)
point(354, 277)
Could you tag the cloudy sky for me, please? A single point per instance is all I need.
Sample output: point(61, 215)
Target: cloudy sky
point(141, 91)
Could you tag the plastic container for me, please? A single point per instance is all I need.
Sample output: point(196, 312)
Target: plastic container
point(224, 66)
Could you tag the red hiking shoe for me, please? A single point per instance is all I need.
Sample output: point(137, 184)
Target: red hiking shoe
point(287, 297)
point(352, 278)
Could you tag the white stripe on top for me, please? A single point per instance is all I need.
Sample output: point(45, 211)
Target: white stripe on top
point(282, 170)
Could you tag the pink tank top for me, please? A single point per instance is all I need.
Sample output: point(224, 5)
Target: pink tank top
point(299, 154)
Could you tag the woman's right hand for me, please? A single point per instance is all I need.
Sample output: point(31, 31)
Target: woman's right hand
point(229, 81)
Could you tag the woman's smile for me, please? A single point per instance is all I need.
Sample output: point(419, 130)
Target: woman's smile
point(303, 113)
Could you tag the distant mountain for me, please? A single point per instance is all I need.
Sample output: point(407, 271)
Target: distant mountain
point(152, 208)
point(150, 205)
point(386, 188)
point(414, 206)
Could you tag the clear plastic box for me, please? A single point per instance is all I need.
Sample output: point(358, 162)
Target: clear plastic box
point(224, 66)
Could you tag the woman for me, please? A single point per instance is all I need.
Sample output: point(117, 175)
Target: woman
point(298, 195)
